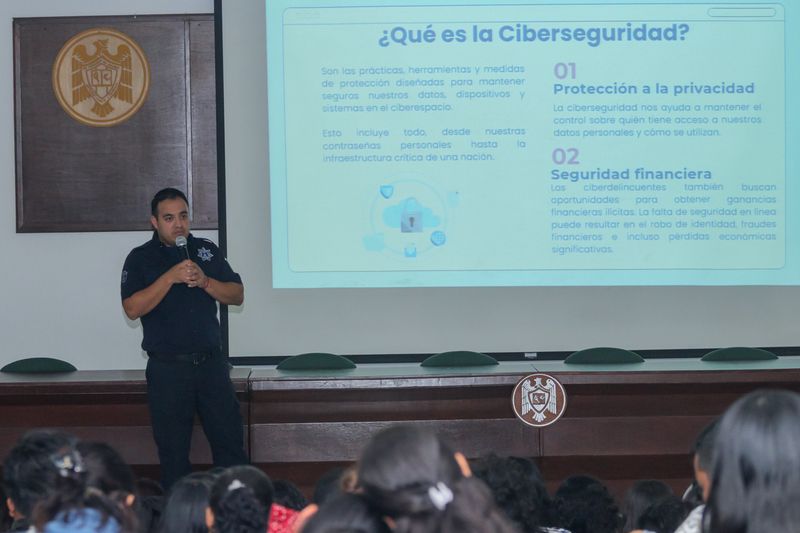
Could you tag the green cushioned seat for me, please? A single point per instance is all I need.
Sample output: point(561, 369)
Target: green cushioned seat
point(459, 358)
point(316, 361)
point(739, 353)
point(603, 356)
point(38, 365)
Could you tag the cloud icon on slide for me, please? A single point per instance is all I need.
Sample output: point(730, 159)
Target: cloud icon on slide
point(410, 216)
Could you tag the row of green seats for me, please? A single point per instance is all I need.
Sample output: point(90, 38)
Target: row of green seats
point(329, 361)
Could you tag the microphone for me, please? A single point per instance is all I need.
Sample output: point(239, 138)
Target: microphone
point(180, 242)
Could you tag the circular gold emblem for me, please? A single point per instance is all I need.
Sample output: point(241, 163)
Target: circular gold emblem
point(101, 77)
point(539, 400)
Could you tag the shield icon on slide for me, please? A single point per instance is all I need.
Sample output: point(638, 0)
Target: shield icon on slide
point(387, 191)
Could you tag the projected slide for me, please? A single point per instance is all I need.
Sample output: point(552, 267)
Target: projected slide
point(485, 145)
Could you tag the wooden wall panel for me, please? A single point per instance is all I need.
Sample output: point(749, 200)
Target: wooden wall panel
point(343, 441)
point(74, 177)
point(203, 122)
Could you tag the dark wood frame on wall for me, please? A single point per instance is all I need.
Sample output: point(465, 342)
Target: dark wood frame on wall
point(74, 177)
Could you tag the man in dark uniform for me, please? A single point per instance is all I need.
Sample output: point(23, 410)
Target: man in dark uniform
point(174, 290)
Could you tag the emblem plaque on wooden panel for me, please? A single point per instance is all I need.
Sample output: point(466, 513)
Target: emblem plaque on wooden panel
point(539, 400)
point(109, 110)
point(101, 77)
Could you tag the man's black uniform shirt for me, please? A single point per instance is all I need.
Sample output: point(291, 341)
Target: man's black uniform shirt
point(185, 321)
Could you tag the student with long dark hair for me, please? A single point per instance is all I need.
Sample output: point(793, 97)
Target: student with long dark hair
point(410, 476)
point(641, 495)
point(185, 509)
point(108, 472)
point(240, 501)
point(346, 513)
point(29, 475)
point(755, 481)
point(78, 504)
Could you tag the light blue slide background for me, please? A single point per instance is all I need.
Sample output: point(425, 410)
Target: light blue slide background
point(489, 223)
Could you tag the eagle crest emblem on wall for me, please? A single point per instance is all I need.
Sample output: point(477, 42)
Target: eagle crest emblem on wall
point(539, 400)
point(101, 77)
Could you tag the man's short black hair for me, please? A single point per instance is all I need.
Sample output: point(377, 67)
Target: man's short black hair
point(165, 194)
point(29, 474)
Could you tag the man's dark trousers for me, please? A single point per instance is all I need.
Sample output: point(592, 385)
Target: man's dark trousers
point(179, 388)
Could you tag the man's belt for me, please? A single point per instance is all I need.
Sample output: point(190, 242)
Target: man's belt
point(186, 357)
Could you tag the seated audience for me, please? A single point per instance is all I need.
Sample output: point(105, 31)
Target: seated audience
point(639, 497)
point(240, 501)
point(410, 476)
point(517, 488)
point(108, 472)
point(149, 503)
point(5, 515)
point(583, 505)
point(185, 508)
point(287, 501)
point(328, 485)
point(281, 519)
point(78, 504)
point(288, 495)
point(747, 470)
point(702, 462)
point(663, 516)
point(29, 475)
point(346, 513)
point(755, 478)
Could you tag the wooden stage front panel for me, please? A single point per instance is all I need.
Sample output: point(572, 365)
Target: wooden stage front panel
point(620, 425)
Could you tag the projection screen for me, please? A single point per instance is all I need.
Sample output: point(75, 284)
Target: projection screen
point(510, 178)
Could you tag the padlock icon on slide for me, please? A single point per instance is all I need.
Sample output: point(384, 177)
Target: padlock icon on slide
point(411, 216)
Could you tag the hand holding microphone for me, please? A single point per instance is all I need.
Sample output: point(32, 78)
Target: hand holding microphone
point(189, 272)
point(180, 242)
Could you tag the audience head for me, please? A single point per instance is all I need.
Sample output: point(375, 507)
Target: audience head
point(328, 485)
point(663, 516)
point(408, 474)
point(79, 501)
point(146, 487)
point(582, 504)
point(517, 487)
point(240, 501)
point(346, 513)
point(703, 454)
point(107, 471)
point(149, 504)
point(185, 509)
point(29, 474)
point(6, 520)
point(639, 497)
point(287, 494)
point(755, 482)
